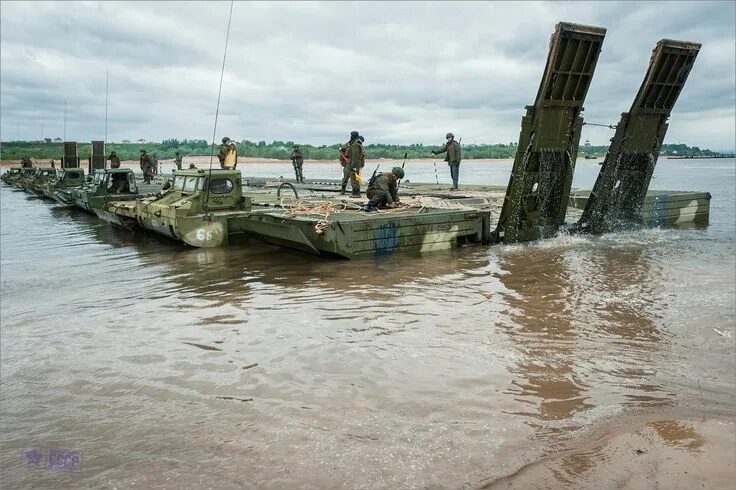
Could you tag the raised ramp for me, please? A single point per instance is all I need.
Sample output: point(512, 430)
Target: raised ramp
point(71, 157)
point(621, 187)
point(97, 156)
point(539, 187)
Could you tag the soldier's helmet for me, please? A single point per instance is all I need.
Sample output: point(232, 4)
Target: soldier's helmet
point(296, 147)
point(225, 139)
point(361, 139)
point(354, 134)
point(113, 154)
point(398, 171)
point(449, 135)
point(143, 151)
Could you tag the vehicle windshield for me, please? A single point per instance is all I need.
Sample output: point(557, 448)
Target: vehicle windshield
point(178, 183)
point(100, 178)
point(190, 184)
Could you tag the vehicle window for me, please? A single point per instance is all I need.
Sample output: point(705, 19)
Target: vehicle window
point(99, 178)
point(131, 183)
point(178, 183)
point(221, 186)
point(190, 184)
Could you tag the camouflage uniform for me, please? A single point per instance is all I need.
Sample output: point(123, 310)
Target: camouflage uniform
point(26, 162)
point(353, 161)
point(384, 190)
point(297, 160)
point(177, 161)
point(146, 166)
point(226, 147)
point(453, 157)
point(118, 180)
point(114, 160)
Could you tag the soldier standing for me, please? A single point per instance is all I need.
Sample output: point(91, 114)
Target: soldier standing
point(53, 165)
point(26, 162)
point(383, 190)
point(297, 160)
point(114, 160)
point(228, 155)
point(453, 158)
point(352, 158)
point(146, 166)
point(177, 161)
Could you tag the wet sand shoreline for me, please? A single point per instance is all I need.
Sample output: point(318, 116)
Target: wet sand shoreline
point(674, 449)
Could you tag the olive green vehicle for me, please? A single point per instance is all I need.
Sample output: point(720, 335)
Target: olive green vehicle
point(66, 179)
point(196, 209)
point(27, 174)
point(208, 209)
point(43, 176)
point(11, 175)
point(112, 184)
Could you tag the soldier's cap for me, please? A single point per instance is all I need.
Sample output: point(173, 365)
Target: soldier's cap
point(354, 134)
point(450, 135)
point(398, 171)
point(225, 139)
point(143, 151)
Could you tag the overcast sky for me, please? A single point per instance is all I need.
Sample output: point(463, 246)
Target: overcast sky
point(312, 72)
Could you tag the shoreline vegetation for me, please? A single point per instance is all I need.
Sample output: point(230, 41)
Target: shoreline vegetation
point(281, 150)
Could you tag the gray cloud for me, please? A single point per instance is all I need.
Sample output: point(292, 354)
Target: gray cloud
point(400, 72)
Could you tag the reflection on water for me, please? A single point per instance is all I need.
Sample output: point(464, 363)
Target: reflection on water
point(540, 323)
point(161, 363)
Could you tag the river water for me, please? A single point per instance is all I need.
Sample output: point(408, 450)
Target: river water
point(162, 366)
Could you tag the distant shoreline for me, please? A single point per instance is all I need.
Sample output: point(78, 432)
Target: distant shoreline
point(204, 161)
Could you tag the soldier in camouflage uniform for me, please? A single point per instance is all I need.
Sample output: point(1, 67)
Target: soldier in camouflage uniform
point(383, 190)
point(453, 158)
point(177, 161)
point(114, 160)
point(146, 166)
point(297, 160)
point(26, 162)
point(352, 156)
point(228, 154)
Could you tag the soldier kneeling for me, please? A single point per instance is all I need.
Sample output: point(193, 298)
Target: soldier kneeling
point(383, 190)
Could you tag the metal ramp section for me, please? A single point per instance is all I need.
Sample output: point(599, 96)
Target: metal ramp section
point(97, 156)
point(70, 158)
point(619, 191)
point(539, 187)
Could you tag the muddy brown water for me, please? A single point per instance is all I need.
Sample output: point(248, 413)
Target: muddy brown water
point(162, 366)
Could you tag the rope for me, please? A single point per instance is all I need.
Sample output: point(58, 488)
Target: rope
point(609, 126)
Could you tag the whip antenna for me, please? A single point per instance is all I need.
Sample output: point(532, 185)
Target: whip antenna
point(217, 110)
point(219, 92)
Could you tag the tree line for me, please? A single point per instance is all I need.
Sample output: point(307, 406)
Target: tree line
point(281, 150)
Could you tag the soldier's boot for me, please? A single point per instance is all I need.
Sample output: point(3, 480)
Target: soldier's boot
point(296, 172)
point(356, 192)
point(342, 190)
